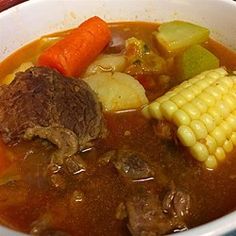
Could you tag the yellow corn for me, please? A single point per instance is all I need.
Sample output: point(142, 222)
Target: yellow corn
point(204, 111)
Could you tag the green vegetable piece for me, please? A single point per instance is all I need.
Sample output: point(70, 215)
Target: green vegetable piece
point(195, 60)
point(175, 36)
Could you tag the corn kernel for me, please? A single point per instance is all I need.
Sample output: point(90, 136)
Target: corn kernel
point(210, 80)
point(195, 79)
point(177, 89)
point(220, 154)
point(170, 94)
point(233, 92)
point(185, 84)
point(228, 145)
point(146, 113)
point(219, 135)
point(199, 129)
point(207, 98)
point(232, 121)
point(191, 110)
point(214, 91)
point(211, 162)
point(178, 100)
point(198, 77)
point(233, 78)
point(168, 108)
point(217, 117)
point(211, 144)
point(226, 128)
point(199, 104)
point(233, 113)
point(187, 94)
point(227, 81)
point(154, 110)
point(199, 151)
point(222, 87)
point(221, 71)
point(195, 90)
point(161, 99)
point(202, 84)
point(233, 138)
point(230, 100)
point(186, 136)
point(208, 122)
point(223, 108)
point(180, 118)
point(213, 75)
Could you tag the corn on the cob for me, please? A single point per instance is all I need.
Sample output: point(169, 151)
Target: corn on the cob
point(204, 111)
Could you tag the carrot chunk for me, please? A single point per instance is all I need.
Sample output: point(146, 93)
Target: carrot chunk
point(75, 52)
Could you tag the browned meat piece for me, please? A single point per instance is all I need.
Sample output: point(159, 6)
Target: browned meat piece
point(75, 165)
point(42, 102)
point(130, 164)
point(176, 203)
point(146, 216)
point(65, 139)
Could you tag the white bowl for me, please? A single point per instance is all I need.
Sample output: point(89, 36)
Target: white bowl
point(32, 19)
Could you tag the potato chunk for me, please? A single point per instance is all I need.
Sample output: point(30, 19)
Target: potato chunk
point(117, 91)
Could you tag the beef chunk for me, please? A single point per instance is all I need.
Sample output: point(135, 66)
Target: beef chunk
point(65, 139)
point(147, 218)
point(75, 165)
point(42, 102)
point(129, 163)
point(176, 202)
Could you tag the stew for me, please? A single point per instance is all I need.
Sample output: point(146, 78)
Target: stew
point(126, 174)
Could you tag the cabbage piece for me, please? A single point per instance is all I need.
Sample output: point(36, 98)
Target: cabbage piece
point(195, 60)
point(175, 36)
point(107, 63)
point(117, 91)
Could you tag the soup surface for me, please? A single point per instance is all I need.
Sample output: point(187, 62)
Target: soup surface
point(91, 202)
